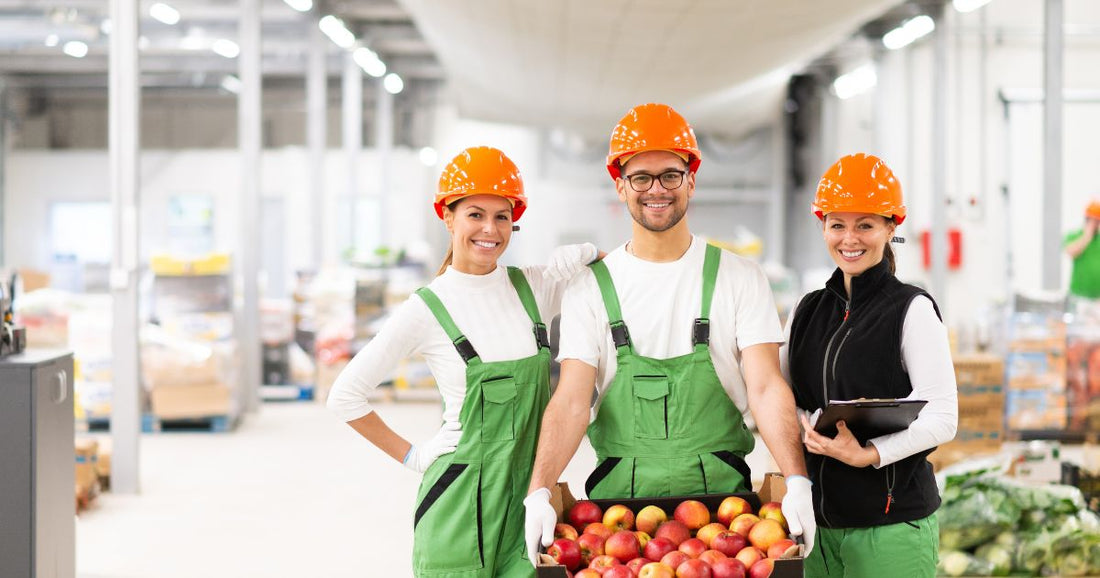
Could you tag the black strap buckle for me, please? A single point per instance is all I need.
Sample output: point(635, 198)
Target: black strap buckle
point(701, 331)
point(541, 337)
point(619, 334)
point(465, 349)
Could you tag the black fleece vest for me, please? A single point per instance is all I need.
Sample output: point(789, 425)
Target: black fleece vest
point(842, 350)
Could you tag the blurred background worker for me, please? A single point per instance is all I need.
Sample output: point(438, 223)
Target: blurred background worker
point(480, 327)
point(868, 335)
point(1081, 246)
point(677, 348)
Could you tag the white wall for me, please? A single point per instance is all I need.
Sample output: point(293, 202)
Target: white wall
point(903, 132)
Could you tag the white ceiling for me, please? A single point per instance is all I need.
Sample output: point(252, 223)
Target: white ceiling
point(581, 64)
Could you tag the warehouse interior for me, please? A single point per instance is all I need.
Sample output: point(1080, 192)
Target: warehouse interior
point(212, 206)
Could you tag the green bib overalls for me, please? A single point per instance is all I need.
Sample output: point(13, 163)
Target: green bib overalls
point(469, 515)
point(666, 426)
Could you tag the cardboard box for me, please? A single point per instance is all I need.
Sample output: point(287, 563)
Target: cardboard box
point(1035, 369)
point(981, 407)
point(87, 480)
point(772, 490)
point(188, 401)
point(1035, 410)
point(979, 369)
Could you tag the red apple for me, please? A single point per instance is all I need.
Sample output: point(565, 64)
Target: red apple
point(692, 514)
point(708, 532)
point(674, 559)
point(743, 523)
point(649, 518)
point(565, 552)
point(785, 548)
point(712, 556)
point(591, 546)
point(729, 543)
point(765, 533)
point(762, 568)
point(618, 572)
point(657, 570)
point(565, 531)
point(728, 568)
point(694, 569)
point(598, 529)
point(732, 507)
point(749, 555)
point(773, 511)
point(585, 512)
point(636, 564)
point(618, 517)
point(602, 563)
point(693, 547)
point(623, 545)
point(674, 531)
point(656, 548)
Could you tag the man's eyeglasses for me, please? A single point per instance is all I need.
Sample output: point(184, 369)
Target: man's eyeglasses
point(642, 182)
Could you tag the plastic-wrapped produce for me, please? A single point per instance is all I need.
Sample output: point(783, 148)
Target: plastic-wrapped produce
point(959, 563)
point(998, 555)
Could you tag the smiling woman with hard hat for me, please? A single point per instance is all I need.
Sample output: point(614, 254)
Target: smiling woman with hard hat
point(868, 335)
point(481, 329)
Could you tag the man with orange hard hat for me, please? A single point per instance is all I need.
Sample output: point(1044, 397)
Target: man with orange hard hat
point(677, 339)
point(1085, 279)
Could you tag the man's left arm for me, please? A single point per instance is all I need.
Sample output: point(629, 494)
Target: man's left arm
point(772, 405)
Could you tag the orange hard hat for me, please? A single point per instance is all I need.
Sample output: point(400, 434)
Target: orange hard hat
point(859, 183)
point(652, 127)
point(1093, 210)
point(481, 171)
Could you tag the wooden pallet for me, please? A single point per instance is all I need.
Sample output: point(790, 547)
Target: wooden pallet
point(212, 423)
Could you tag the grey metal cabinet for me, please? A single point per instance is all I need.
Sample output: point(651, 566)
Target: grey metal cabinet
point(37, 479)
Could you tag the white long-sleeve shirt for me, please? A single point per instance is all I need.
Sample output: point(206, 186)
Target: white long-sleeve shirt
point(486, 309)
point(926, 356)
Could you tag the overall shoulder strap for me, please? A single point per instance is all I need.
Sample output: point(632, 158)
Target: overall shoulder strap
point(527, 297)
point(619, 333)
point(701, 331)
point(465, 349)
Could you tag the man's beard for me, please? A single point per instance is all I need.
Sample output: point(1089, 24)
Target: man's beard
point(637, 211)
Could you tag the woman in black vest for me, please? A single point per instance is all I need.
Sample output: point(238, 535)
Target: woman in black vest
point(868, 335)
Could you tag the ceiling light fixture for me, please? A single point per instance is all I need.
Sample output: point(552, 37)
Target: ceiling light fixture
point(164, 13)
point(339, 34)
point(75, 48)
point(226, 48)
point(231, 83)
point(52, 40)
point(368, 60)
point(908, 32)
point(300, 5)
point(855, 82)
point(105, 26)
point(393, 83)
point(968, 5)
point(428, 156)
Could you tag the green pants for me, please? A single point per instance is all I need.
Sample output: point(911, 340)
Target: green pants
point(905, 550)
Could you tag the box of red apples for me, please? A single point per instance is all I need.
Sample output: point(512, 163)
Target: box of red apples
point(711, 536)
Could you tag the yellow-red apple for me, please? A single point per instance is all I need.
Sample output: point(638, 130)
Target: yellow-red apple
point(692, 513)
point(587, 573)
point(728, 568)
point(712, 556)
point(618, 572)
point(674, 559)
point(618, 517)
point(674, 531)
point(729, 543)
point(749, 555)
point(649, 518)
point(656, 548)
point(732, 507)
point(598, 529)
point(743, 523)
point(765, 533)
point(693, 547)
point(565, 531)
point(708, 532)
point(762, 568)
point(773, 511)
point(657, 570)
point(694, 569)
point(635, 565)
point(785, 548)
point(623, 545)
point(591, 546)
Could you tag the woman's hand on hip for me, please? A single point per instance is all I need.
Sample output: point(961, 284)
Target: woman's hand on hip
point(844, 447)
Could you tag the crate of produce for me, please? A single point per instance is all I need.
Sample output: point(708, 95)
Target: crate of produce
point(684, 533)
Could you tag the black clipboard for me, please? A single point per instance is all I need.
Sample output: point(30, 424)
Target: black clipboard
point(868, 418)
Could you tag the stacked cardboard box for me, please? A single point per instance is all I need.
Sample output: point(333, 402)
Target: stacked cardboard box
point(1083, 376)
point(980, 379)
point(1036, 373)
point(87, 476)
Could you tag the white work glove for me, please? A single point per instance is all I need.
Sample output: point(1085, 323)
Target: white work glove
point(568, 260)
point(539, 524)
point(798, 509)
point(421, 456)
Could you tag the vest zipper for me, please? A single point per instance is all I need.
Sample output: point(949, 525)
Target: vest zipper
point(891, 479)
point(825, 391)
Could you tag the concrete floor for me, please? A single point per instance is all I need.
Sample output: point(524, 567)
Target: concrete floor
point(290, 493)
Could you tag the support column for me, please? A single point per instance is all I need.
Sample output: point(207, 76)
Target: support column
point(939, 162)
point(4, 91)
point(777, 236)
point(249, 136)
point(1052, 144)
point(124, 112)
point(383, 144)
point(353, 141)
point(317, 137)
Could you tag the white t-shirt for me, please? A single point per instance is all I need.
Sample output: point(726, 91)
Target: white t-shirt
point(926, 356)
point(485, 308)
point(659, 303)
